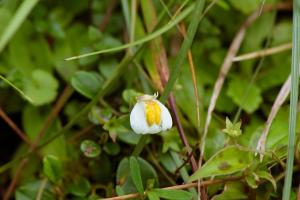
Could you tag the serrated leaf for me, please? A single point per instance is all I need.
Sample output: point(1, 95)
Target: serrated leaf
point(231, 129)
point(173, 194)
point(90, 148)
point(136, 174)
point(52, 168)
point(87, 83)
point(227, 161)
point(236, 90)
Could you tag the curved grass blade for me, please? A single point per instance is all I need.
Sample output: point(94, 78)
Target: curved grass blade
point(20, 16)
point(17, 89)
point(187, 42)
point(149, 37)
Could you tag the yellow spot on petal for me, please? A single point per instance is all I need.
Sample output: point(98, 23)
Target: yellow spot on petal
point(152, 111)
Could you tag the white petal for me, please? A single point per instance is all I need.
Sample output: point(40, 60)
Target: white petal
point(138, 119)
point(166, 119)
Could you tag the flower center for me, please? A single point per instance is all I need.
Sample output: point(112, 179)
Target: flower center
point(153, 112)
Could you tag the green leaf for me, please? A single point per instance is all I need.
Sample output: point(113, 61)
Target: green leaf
point(231, 129)
point(266, 175)
point(278, 134)
point(33, 119)
point(173, 194)
point(99, 115)
point(129, 96)
point(41, 87)
point(53, 168)
point(252, 181)
point(124, 177)
point(152, 195)
point(29, 191)
point(136, 175)
point(16, 88)
point(90, 148)
point(79, 187)
point(147, 38)
point(245, 6)
point(120, 127)
point(227, 161)
point(171, 141)
point(236, 90)
point(87, 83)
point(232, 191)
point(112, 149)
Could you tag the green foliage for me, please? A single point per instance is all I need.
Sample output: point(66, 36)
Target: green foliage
point(233, 130)
point(75, 108)
point(30, 190)
point(90, 149)
point(53, 168)
point(248, 99)
point(87, 83)
point(136, 174)
point(171, 194)
point(79, 187)
point(126, 180)
point(246, 6)
point(233, 191)
point(227, 161)
point(41, 87)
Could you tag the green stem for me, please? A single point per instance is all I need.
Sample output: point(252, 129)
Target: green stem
point(293, 99)
point(187, 42)
point(140, 145)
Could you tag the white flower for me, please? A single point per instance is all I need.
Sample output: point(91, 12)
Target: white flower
point(149, 115)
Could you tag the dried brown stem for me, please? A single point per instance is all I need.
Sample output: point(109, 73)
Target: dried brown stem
point(15, 179)
point(161, 61)
point(263, 53)
point(16, 129)
point(107, 15)
point(281, 97)
point(54, 112)
point(233, 49)
point(67, 92)
point(183, 186)
point(57, 107)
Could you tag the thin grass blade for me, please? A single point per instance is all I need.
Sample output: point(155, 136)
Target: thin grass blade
point(20, 16)
point(293, 99)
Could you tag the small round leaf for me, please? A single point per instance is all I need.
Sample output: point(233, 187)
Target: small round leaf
point(90, 148)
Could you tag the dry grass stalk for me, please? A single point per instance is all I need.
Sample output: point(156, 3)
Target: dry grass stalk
point(281, 97)
point(233, 49)
point(263, 53)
